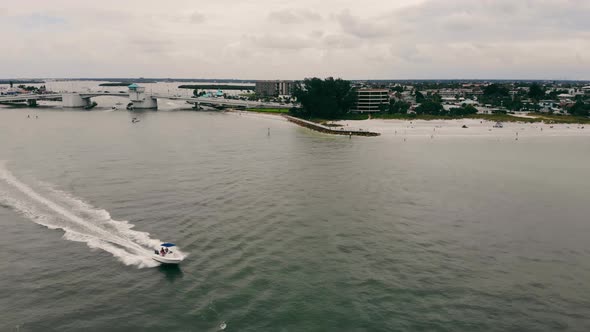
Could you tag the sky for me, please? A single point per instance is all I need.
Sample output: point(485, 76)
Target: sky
point(277, 39)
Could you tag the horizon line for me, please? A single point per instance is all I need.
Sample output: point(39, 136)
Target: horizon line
point(256, 80)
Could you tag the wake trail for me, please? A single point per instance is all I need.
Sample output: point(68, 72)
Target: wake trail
point(80, 221)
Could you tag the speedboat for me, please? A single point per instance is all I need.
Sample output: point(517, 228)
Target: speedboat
point(167, 254)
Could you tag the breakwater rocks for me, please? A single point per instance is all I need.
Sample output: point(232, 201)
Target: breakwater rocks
point(328, 130)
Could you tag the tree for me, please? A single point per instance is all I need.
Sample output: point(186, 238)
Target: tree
point(419, 97)
point(463, 110)
point(514, 104)
point(536, 92)
point(495, 90)
point(553, 94)
point(436, 97)
point(429, 107)
point(580, 109)
point(327, 99)
point(399, 106)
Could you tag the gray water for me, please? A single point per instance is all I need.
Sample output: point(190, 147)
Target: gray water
point(296, 231)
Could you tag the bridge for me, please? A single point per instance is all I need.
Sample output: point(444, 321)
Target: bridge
point(137, 97)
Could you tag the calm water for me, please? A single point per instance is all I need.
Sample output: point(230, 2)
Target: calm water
point(295, 231)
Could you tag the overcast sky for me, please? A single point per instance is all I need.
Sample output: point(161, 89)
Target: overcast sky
point(276, 39)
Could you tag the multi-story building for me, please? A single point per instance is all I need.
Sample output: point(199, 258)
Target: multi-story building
point(274, 88)
point(370, 100)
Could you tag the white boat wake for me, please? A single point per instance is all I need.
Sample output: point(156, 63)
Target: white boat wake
point(79, 220)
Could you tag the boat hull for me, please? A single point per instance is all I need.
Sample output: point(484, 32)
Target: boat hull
point(166, 260)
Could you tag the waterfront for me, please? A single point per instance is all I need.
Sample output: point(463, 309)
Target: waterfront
point(290, 231)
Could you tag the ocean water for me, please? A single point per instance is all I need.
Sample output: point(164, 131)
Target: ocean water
point(292, 231)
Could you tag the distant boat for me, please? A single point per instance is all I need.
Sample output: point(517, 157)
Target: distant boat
point(166, 254)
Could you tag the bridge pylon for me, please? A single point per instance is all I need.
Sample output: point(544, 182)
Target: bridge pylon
point(72, 100)
point(140, 100)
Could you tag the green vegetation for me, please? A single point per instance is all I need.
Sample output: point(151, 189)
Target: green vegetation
point(116, 84)
point(551, 118)
point(430, 107)
point(497, 95)
point(216, 87)
point(463, 110)
point(580, 109)
point(328, 99)
point(398, 107)
point(32, 89)
point(248, 95)
point(536, 92)
point(28, 88)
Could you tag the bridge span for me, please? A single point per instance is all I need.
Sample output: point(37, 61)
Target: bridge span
point(139, 99)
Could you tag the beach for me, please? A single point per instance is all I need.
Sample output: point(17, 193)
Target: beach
point(475, 128)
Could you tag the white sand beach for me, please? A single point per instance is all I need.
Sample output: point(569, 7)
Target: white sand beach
point(475, 127)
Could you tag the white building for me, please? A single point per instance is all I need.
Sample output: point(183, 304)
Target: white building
point(371, 100)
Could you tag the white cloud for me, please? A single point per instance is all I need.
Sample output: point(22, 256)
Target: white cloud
point(286, 39)
point(291, 16)
point(197, 17)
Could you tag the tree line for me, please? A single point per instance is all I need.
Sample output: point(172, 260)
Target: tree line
point(332, 98)
point(324, 98)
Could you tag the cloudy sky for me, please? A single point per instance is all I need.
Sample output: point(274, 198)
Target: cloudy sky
point(277, 39)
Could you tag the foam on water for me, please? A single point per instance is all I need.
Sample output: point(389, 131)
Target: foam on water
point(79, 220)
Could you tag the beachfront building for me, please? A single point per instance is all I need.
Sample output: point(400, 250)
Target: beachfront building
point(274, 88)
point(548, 106)
point(371, 100)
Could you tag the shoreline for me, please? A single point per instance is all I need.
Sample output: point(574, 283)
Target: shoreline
point(473, 128)
point(431, 129)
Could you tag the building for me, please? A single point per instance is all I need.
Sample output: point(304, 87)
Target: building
point(370, 100)
point(274, 88)
point(547, 106)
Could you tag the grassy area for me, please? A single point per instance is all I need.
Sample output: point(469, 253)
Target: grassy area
point(247, 95)
point(551, 118)
point(269, 110)
point(503, 118)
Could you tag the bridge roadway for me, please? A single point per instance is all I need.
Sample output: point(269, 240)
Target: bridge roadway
point(208, 101)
